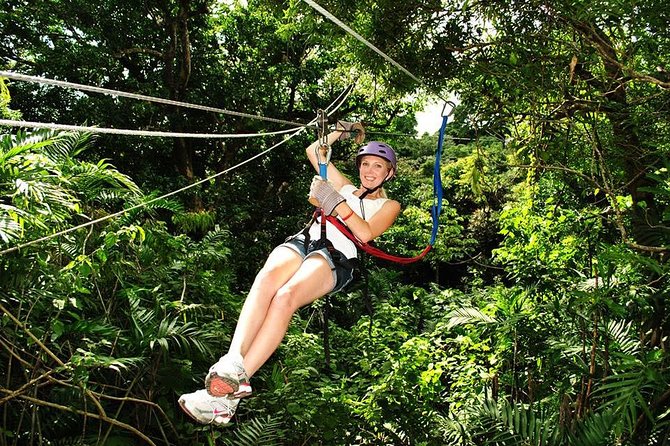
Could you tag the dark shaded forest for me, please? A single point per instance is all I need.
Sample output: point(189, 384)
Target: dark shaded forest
point(538, 318)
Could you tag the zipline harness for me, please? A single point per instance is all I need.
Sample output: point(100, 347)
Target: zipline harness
point(323, 153)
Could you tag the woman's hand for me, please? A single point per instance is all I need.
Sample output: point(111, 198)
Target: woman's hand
point(325, 194)
point(347, 128)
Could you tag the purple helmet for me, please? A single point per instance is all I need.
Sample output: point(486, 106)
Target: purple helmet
point(379, 149)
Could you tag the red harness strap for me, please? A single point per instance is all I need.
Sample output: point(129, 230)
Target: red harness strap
point(371, 249)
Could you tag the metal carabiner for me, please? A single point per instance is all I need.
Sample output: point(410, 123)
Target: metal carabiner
point(323, 150)
point(444, 108)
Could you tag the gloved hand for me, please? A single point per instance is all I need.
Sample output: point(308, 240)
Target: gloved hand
point(348, 128)
point(327, 197)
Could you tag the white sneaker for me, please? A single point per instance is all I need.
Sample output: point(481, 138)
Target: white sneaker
point(227, 377)
point(207, 409)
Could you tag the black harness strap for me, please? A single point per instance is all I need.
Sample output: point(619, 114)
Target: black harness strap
point(309, 246)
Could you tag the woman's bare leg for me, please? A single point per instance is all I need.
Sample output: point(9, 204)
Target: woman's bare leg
point(312, 280)
point(280, 266)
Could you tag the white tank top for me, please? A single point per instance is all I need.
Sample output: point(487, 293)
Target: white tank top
point(339, 240)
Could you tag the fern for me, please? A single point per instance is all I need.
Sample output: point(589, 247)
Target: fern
point(257, 432)
point(195, 221)
point(502, 423)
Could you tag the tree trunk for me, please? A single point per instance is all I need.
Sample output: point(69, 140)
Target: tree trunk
point(177, 73)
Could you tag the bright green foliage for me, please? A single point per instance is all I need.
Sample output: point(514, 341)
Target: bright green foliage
point(126, 301)
point(44, 186)
point(5, 99)
point(544, 240)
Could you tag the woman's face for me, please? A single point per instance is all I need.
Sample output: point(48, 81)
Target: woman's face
point(373, 170)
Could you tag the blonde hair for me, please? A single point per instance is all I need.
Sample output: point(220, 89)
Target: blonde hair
point(382, 191)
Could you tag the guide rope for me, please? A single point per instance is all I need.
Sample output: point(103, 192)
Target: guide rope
point(360, 38)
point(107, 91)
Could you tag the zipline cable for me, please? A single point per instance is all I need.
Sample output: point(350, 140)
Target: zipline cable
point(89, 88)
point(360, 38)
point(175, 192)
point(151, 133)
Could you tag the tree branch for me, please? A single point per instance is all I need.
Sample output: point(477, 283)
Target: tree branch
point(100, 417)
point(125, 52)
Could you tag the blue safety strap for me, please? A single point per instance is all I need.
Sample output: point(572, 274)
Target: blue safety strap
point(437, 182)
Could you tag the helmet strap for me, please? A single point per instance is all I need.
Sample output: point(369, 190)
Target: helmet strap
point(369, 191)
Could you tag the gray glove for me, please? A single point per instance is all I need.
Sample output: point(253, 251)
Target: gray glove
point(325, 194)
point(348, 128)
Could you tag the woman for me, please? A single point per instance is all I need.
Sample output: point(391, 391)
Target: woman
point(299, 271)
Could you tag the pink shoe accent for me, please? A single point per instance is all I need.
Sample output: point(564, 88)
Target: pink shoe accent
point(220, 385)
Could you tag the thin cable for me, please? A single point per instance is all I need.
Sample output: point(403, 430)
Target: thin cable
point(360, 38)
point(81, 87)
point(94, 129)
point(335, 106)
point(145, 203)
point(343, 95)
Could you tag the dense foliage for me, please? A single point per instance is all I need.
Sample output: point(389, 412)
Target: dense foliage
point(539, 318)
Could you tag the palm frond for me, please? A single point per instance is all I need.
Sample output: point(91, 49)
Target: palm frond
point(69, 144)
point(624, 394)
point(87, 359)
point(453, 432)
point(12, 145)
point(10, 223)
point(92, 178)
point(596, 429)
point(464, 316)
point(148, 206)
point(182, 336)
point(620, 332)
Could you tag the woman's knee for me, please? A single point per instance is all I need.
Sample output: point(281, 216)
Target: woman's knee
point(286, 300)
point(268, 273)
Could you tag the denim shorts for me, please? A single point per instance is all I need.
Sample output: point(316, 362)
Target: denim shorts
point(342, 267)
